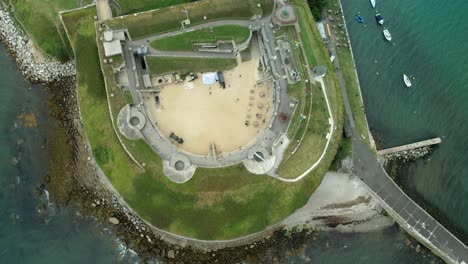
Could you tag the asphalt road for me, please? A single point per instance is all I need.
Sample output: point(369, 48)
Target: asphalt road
point(374, 176)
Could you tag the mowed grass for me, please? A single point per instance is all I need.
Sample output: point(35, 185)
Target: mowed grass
point(313, 143)
point(185, 41)
point(215, 204)
point(134, 6)
point(159, 65)
point(40, 19)
point(167, 19)
point(314, 139)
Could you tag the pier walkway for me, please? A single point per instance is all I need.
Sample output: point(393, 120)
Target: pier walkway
point(403, 209)
point(420, 144)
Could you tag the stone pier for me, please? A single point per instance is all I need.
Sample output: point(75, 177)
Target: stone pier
point(420, 144)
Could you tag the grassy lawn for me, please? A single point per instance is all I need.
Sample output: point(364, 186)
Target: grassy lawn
point(159, 65)
point(167, 19)
point(314, 139)
point(185, 41)
point(215, 204)
point(134, 6)
point(41, 20)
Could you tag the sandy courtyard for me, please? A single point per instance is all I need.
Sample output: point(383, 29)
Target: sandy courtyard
point(200, 114)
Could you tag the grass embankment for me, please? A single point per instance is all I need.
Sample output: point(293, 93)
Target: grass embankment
point(40, 19)
point(314, 140)
point(134, 6)
point(345, 150)
point(215, 204)
point(349, 76)
point(185, 41)
point(159, 65)
point(166, 19)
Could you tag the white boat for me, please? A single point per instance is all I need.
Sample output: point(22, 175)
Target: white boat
point(379, 19)
point(407, 80)
point(387, 35)
point(372, 2)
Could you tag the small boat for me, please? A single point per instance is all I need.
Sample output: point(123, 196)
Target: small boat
point(387, 35)
point(379, 19)
point(359, 18)
point(407, 80)
point(372, 2)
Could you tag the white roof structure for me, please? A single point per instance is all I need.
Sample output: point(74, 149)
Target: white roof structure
point(321, 29)
point(120, 35)
point(209, 78)
point(147, 81)
point(112, 48)
point(108, 35)
point(112, 43)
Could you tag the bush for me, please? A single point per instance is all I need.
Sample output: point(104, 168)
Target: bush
point(317, 6)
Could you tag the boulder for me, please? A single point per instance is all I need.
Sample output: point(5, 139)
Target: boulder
point(171, 254)
point(114, 221)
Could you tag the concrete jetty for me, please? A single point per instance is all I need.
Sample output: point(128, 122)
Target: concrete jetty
point(420, 144)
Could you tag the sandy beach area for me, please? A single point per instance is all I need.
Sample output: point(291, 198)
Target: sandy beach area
point(341, 203)
point(205, 114)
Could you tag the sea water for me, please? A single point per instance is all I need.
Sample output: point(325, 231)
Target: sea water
point(429, 45)
point(32, 228)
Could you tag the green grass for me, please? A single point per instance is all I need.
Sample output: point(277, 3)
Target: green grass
point(344, 151)
point(159, 65)
point(40, 19)
point(167, 19)
point(117, 60)
point(215, 204)
point(297, 119)
point(314, 140)
point(133, 6)
point(128, 97)
point(185, 41)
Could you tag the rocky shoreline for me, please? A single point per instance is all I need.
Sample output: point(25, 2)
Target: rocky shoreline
point(392, 163)
point(75, 177)
point(17, 44)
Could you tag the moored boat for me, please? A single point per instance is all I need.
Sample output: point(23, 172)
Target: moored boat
point(379, 19)
point(387, 35)
point(407, 80)
point(359, 18)
point(372, 2)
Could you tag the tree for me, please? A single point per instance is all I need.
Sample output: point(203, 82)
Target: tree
point(316, 7)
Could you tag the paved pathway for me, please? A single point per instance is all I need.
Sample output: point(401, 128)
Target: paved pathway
point(402, 208)
point(189, 54)
point(103, 9)
point(242, 23)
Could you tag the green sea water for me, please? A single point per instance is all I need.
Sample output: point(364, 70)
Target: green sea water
point(32, 228)
point(429, 39)
point(429, 43)
point(60, 235)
